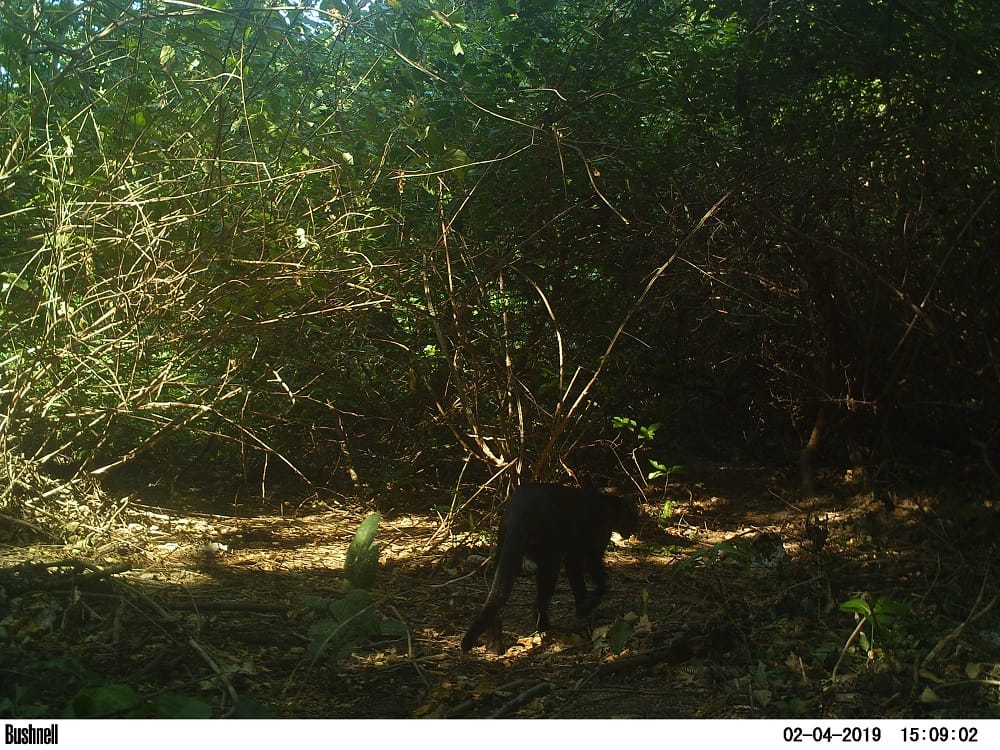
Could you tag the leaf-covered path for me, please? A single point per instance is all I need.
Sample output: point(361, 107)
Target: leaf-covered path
point(215, 610)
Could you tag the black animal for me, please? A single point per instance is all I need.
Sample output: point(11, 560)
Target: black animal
point(549, 524)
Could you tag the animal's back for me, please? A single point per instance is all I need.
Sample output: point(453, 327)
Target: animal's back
point(566, 518)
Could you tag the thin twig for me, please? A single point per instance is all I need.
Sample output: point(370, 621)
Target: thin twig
point(953, 635)
point(522, 700)
point(843, 652)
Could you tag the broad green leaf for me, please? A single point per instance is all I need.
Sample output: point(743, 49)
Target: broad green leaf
point(354, 601)
point(100, 701)
point(248, 708)
point(365, 535)
point(173, 706)
point(856, 606)
point(618, 636)
point(886, 606)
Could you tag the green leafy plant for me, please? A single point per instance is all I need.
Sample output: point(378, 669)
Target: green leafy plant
point(641, 432)
point(883, 616)
point(361, 564)
point(97, 697)
point(667, 511)
point(352, 619)
point(647, 432)
point(346, 623)
point(25, 703)
point(622, 632)
point(662, 470)
point(644, 434)
point(884, 619)
point(613, 638)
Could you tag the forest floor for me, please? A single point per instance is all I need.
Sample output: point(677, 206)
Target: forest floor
point(217, 607)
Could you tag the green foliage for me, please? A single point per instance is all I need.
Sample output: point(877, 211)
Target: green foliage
point(661, 470)
point(890, 633)
point(223, 210)
point(667, 510)
point(647, 432)
point(620, 634)
point(105, 700)
point(613, 638)
point(644, 435)
point(174, 706)
point(347, 622)
point(885, 618)
point(25, 703)
point(97, 697)
point(883, 615)
point(352, 619)
point(121, 700)
point(361, 564)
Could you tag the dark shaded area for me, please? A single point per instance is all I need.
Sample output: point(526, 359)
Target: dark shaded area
point(264, 272)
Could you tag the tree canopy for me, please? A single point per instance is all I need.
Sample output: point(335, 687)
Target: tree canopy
point(341, 236)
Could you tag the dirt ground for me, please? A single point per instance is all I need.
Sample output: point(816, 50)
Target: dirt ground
point(717, 620)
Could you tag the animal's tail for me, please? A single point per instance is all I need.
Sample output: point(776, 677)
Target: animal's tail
point(510, 552)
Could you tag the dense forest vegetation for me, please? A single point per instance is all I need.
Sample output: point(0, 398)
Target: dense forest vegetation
point(394, 252)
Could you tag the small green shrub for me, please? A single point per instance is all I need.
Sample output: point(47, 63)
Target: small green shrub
point(352, 619)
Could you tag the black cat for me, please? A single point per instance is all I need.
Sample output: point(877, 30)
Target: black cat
point(549, 524)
